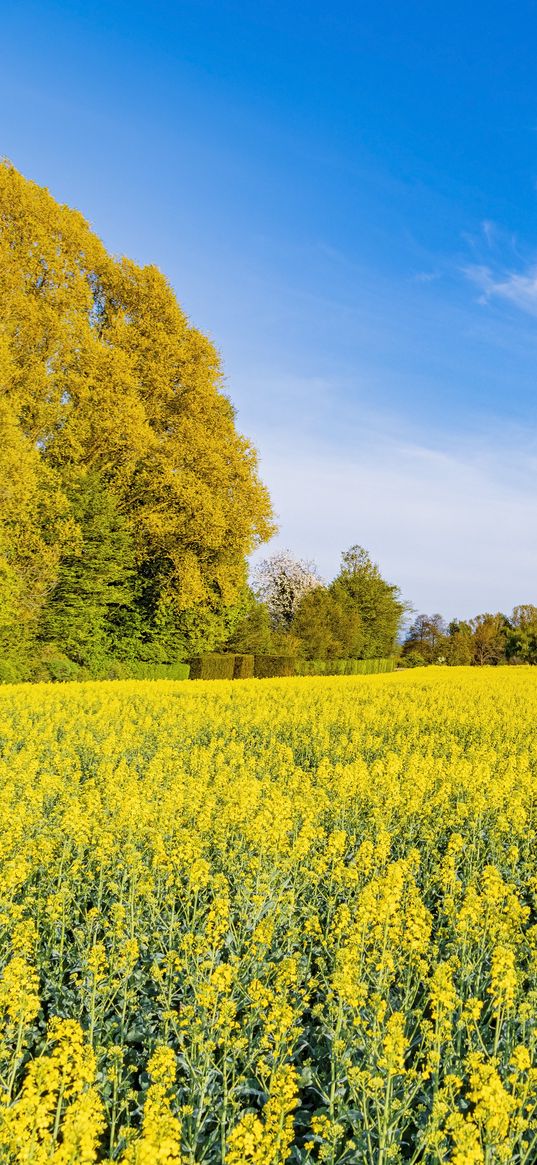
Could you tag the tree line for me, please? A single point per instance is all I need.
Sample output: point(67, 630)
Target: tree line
point(291, 611)
point(130, 503)
point(487, 639)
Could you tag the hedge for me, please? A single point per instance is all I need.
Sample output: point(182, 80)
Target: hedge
point(243, 668)
point(157, 671)
point(266, 666)
point(212, 667)
point(342, 667)
point(368, 667)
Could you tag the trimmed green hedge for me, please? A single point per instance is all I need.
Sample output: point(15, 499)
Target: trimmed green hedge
point(212, 667)
point(243, 668)
point(157, 671)
point(367, 667)
point(266, 666)
point(342, 667)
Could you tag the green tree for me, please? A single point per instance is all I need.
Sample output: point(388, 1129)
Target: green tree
point(459, 646)
point(488, 638)
point(377, 602)
point(253, 633)
point(329, 625)
point(90, 613)
point(427, 639)
point(35, 527)
point(521, 635)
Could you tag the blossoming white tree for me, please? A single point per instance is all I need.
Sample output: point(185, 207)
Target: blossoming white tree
point(281, 581)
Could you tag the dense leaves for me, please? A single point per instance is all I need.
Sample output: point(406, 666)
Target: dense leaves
point(106, 389)
point(485, 640)
point(357, 616)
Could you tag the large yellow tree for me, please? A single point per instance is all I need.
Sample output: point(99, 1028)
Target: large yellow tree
point(102, 374)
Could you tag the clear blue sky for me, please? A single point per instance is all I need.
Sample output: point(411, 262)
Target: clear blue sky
point(344, 197)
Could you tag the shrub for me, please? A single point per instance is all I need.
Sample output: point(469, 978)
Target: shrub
point(413, 659)
point(313, 667)
point(11, 672)
point(52, 665)
point(243, 667)
point(111, 669)
point(342, 667)
point(266, 666)
point(158, 671)
point(177, 671)
point(212, 667)
point(367, 667)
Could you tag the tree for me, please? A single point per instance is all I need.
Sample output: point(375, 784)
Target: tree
point(521, 634)
point(281, 582)
point(427, 638)
point(524, 616)
point(329, 625)
point(377, 602)
point(459, 646)
point(103, 373)
point(489, 637)
point(90, 609)
point(35, 528)
point(253, 634)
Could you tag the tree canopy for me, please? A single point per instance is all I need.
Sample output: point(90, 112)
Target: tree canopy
point(485, 640)
point(358, 615)
point(281, 581)
point(108, 392)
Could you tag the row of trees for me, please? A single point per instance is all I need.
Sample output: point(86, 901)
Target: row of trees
point(129, 503)
point(486, 639)
point(291, 611)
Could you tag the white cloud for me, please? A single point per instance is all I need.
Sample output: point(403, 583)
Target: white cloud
point(426, 276)
point(518, 288)
point(489, 230)
point(454, 528)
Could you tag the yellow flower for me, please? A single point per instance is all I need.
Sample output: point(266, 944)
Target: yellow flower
point(159, 1142)
point(246, 1142)
point(258, 875)
point(504, 978)
point(467, 1148)
point(520, 1058)
point(443, 1000)
point(19, 992)
point(493, 1105)
point(394, 1045)
point(59, 1115)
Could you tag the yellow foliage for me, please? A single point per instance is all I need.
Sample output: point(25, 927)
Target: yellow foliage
point(101, 371)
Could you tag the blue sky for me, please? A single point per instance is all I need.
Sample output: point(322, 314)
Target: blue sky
point(344, 197)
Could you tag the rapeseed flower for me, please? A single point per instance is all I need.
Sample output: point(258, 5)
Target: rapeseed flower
point(269, 921)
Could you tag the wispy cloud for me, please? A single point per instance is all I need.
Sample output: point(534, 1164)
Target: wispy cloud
point(490, 231)
point(426, 276)
point(501, 271)
point(518, 288)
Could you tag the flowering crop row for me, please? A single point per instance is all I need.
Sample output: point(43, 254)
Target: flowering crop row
point(267, 922)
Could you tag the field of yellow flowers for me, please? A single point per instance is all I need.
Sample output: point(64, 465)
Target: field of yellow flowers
point(270, 921)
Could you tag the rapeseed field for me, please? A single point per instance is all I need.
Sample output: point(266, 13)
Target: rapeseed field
point(270, 921)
